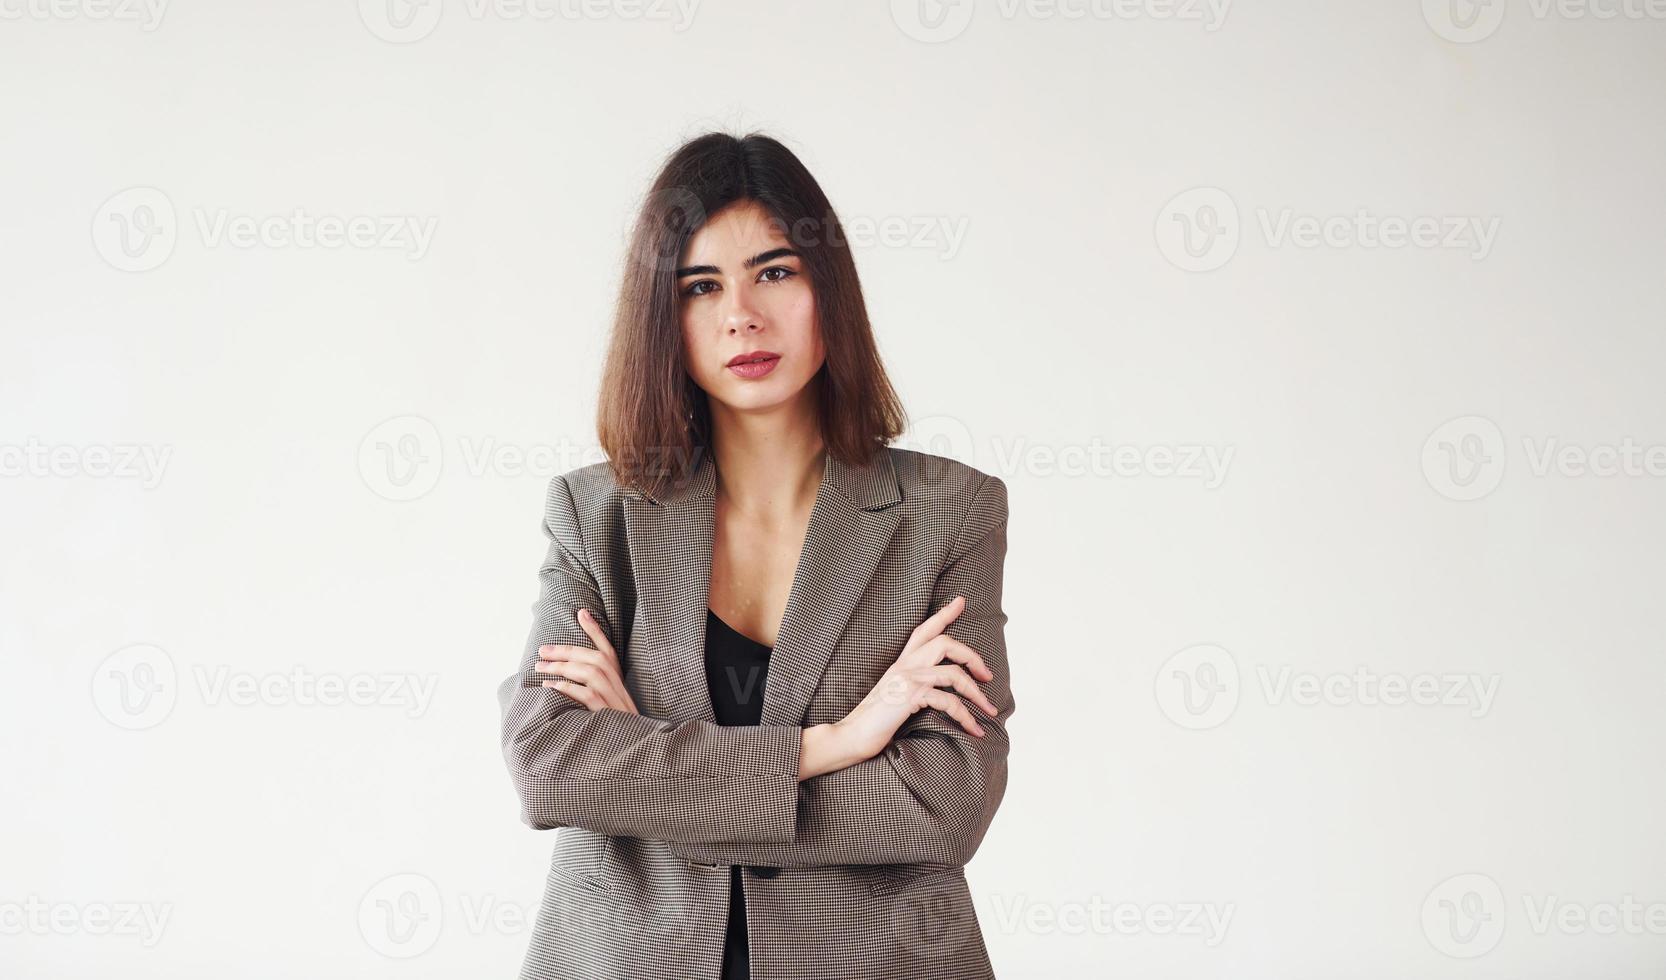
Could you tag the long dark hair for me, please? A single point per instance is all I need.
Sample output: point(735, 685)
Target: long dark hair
point(652, 420)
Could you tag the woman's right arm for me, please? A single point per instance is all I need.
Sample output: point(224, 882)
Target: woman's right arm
point(623, 774)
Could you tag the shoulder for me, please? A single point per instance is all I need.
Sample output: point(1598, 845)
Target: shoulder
point(584, 499)
point(591, 484)
point(944, 489)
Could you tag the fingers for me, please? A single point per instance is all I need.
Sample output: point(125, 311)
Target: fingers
point(948, 648)
point(937, 622)
point(595, 689)
point(932, 644)
point(559, 652)
point(949, 675)
point(574, 670)
point(585, 669)
point(951, 705)
point(578, 692)
point(593, 630)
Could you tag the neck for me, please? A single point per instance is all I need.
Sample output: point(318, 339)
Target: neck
point(768, 466)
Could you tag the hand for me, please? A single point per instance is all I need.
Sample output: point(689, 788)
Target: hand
point(590, 677)
point(912, 683)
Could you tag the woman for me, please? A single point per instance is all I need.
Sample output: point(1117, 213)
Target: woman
point(766, 689)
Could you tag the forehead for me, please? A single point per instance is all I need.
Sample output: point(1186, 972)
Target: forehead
point(739, 231)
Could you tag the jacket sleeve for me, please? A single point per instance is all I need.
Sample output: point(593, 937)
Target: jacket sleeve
point(622, 774)
point(932, 794)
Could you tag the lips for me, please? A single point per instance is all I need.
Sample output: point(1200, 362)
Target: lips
point(751, 356)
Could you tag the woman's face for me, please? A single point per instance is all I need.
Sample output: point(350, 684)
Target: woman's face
point(742, 289)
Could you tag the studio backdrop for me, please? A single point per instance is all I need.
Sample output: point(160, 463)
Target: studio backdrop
point(1318, 346)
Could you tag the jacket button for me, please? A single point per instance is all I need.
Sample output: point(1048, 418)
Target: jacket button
point(766, 872)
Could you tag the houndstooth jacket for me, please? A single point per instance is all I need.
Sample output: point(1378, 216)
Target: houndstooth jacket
point(850, 875)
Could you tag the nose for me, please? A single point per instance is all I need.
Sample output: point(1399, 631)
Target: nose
point(741, 317)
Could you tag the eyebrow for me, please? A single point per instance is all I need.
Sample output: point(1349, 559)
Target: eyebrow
point(751, 263)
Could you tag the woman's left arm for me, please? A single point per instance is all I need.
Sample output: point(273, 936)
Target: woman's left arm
point(931, 795)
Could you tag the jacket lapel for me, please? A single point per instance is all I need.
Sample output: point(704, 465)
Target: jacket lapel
point(671, 539)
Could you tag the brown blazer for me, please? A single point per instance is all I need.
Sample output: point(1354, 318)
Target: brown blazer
point(850, 875)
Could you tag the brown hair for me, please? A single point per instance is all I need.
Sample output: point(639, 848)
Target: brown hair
point(652, 419)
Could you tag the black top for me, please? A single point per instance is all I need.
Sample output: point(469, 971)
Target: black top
point(736, 666)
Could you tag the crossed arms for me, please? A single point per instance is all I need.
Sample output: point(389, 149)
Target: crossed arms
point(732, 795)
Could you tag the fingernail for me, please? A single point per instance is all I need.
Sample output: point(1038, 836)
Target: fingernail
point(584, 614)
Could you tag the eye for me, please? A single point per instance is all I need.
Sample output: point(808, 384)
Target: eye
point(786, 274)
point(693, 289)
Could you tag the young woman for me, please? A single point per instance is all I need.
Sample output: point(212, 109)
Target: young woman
point(766, 690)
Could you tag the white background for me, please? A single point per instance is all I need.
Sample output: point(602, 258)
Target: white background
point(1055, 291)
